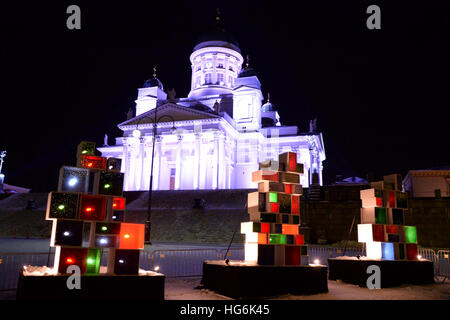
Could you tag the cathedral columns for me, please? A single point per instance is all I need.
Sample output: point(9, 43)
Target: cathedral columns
point(215, 173)
point(203, 163)
point(197, 159)
point(178, 163)
point(142, 165)
point(157, 166)
point(125, 165)
point(221, 162)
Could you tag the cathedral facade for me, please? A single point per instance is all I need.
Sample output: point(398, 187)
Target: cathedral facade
point(216, 136)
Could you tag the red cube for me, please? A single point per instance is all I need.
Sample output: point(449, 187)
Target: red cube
point(118, 203)
point(92, 208)
point(411, 251)
point(72, 256)
point(292, 255)
point(378, 232)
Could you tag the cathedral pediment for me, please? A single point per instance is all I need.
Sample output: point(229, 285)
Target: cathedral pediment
point(168, 111)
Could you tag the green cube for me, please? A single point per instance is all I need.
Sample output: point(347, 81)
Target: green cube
point(410, 234)
point(273, 197)
point(93, 259)
point(380, 215)
point(277, 238)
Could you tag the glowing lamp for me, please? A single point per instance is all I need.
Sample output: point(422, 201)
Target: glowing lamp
point(316, 261)
point(67, 233)
point(72, 182)
point(121, 261)
point(104, 228)
point(89, 209)
point(118, 203)
point(136, 133)
point(107, 186)
point(126, 236)
point(156, 268)
point(103, 241)
point(61, 207)
point(419, 257)
point(69, 260)
point(111, 167)
point(90, 164)
point(90, 261)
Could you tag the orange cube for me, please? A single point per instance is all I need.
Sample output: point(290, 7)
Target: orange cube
point(132, 236)
point(262, 238)
point(289, 228)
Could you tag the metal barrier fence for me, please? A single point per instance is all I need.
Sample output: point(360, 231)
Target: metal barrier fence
point(443, 264)
point(189, 262)
point(181, 262)
point(11, 263)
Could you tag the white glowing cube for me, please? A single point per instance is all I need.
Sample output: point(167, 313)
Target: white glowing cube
point(365, 233)
point(251, 252)
point(251, 237)
point(247, 227)
point(373, 250)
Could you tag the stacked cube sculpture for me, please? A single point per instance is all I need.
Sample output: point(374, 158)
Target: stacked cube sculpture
point(90, 194)
point(272, 235)
point(382, 225)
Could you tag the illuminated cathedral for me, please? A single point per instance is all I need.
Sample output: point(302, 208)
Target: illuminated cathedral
point(216, 136)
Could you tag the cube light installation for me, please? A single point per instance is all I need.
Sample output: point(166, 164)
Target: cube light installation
point(272, 234)
point(74, 206)
point(382, 221)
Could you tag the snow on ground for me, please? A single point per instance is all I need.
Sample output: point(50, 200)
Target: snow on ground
point(184, 289)
point(188, 289)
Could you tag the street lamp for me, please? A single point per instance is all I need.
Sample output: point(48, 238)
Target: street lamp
point(137, 134)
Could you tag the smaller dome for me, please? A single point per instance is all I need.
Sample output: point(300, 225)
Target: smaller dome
point(247, 72)
point(154, 82)
point(266, 107)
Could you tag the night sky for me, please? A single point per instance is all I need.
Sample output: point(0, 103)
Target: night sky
point(381, 96)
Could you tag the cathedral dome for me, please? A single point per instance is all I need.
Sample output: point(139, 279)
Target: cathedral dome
point(153, 82)
point(216, 36)
point(247, 72)
point(266, 107)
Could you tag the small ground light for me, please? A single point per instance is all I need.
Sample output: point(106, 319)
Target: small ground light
point(67, 233)
point(316, 261)
point(121, 261)
point(156, 268)
point(419, 257)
